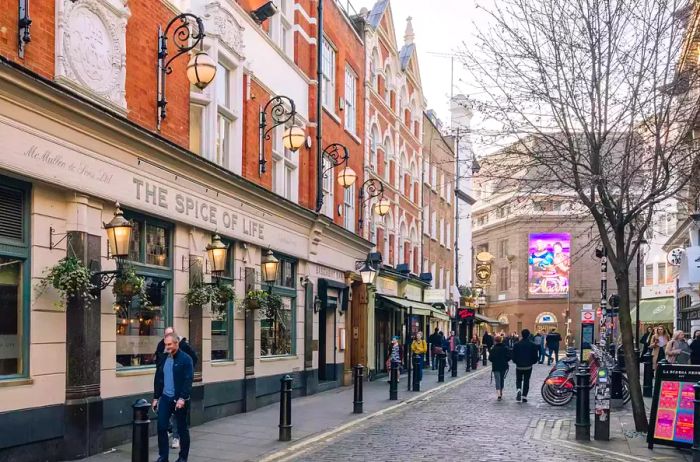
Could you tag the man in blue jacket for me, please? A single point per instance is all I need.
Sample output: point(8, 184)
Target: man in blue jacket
point(525, 354)
point(172, 386)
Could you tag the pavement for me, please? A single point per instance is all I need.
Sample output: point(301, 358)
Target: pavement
point(459, 420)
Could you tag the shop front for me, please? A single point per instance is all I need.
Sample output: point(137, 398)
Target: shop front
point(660, 312)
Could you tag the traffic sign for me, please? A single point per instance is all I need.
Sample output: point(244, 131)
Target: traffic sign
point(587, 317)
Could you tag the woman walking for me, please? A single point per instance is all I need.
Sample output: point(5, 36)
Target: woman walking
point(499, 357)
point(646, 340)
point(657, 345)
point(677, 350)
point(695, 348)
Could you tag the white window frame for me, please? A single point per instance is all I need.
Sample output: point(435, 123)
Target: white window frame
point(426, 172)
point(328, 187)
point(350, 100)
point(426, 222)
point(349, 208)
point(328, 64)
point(441, 231)
point(448, 237)
point(285, 174)
point(433, 225)
point(281, 27)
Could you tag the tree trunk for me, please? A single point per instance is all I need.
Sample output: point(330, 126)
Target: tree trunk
point(631, 362)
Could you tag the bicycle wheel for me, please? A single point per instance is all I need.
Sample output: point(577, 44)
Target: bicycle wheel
point(626, 396)
point(556, 396)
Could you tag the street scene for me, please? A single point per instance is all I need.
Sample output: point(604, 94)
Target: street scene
point(329, 230)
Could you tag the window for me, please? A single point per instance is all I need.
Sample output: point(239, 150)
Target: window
point(222, 317)
point(285, 175)
point(661, 267)
point(350, 101)
point(448, 282)
point(441, 279)
point(504, 279)
point(139, 328)
point(328, 71)
point(224, 118)
point(426, 172)
point(503, 248)
point(196, 128)
point(426, 222)
point(482, 248)
point(277, 332)
point(649, 275)
point(349, 208)
point(448, 237)
point(433, 225)
point(425, 265)
point(448, 191)
point(441, 231)
point(441, 183)
point(328, 186)
point(433, 176)
point(14, 278)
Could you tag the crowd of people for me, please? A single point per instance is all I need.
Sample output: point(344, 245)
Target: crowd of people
point(675, 349)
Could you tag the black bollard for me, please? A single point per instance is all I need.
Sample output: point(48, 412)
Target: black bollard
point(285, 408)
point(394, 381)
point(648, 383)
point(139, 437)
point(484, 356)
point(583, 403)
point(455, 360)
point(441, 366)
point(616, 398)
point(416, 373)
point(696, 428)
point(357, 396)
point(475, 356)
point(468, 357)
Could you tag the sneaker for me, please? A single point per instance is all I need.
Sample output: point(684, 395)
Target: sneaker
point(518, 396)
point(499, 398)
point(524, 399)
point(175, 444)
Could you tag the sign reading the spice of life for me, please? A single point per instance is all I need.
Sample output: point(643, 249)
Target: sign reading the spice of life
point(672, 405)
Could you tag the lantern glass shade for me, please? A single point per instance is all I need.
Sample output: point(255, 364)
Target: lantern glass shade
point(347, 177)
point(269, 267)
point(293, 138)
point(368, 273)
point(118, 234)
point(201, 70)
point(217, 252)
point(382, 206)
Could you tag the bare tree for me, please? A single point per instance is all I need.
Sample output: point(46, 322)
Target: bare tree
point(591, 92)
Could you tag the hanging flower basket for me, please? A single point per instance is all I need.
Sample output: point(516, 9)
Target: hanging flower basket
point(222, 294)
point(255, 300)
point(129, 285)
point(198, 295)
point(273, 306)
point(71, 278)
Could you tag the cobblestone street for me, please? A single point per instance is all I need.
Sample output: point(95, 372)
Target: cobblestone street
point(467, 423)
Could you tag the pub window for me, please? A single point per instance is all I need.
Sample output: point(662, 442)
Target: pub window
point(277, 332)
point(222, 318)
point(14, 280)
point(140, 325)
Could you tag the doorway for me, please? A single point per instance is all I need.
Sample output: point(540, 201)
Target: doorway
point(326, 340)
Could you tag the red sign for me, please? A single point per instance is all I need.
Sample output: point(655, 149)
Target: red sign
point(587, 317)
point(464, 314)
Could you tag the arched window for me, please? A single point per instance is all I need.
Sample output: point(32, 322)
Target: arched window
point(388, 161)
point(374, 142)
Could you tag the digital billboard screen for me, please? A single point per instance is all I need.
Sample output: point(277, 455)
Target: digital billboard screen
point(549, 259)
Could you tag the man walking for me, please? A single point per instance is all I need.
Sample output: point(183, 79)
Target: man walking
point(553, 339)
point(453, 343)
point(525, 354)
point(539, 341)
point(172, 385)
point(435, 341)
point(160, 355)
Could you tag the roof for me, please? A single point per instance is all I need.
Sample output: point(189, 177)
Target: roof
point(405, 55)
point(375, 16)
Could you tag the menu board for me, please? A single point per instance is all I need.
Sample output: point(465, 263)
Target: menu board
point(672, 405)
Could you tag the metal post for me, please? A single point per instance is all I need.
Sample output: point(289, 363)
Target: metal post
point(468, 357)
point(416, 373)
point(475, 356)
point(357, 395)
point(602, 406)
point(696, 428)
point(441, 366)
point(455, 358)
point(583, 403)
point(648, 383)
point(139, 437)
point(394, 381)
point(285, 408)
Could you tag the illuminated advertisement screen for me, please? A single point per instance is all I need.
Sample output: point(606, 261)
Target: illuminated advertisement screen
point(674, 418)
point(549, 258)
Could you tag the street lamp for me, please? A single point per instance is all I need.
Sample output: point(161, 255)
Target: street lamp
point(374, 188)
point(337, 154)
point(282, 110)
point(269, 268)
point(201, 69)
point(217, 252)
point(118, 234)
point(368, 272)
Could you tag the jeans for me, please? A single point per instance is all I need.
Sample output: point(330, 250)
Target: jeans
point(499, 377)
point(542, 355)
point(522, 380)
point(420, 368)
point(166, 408)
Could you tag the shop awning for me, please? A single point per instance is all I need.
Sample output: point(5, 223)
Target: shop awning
point(655, 310)
point(415, 307)
point(486, 319)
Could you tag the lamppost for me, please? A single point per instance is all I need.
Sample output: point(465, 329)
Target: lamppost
point(337, 154)
point(118, 236)
point(201, 69)
point(374, 188)
point(282, 110)
point(269, 267)
point(368, 272)
point(217, 252)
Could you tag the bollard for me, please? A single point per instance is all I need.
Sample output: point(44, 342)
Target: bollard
point(285, 408)
point(696, 428)
point(648, 383)
point(139, 437)
point(455, 361)
point(468, 357)
point(475, 356)
point(416, 373)
point(616, 398)
point(441, 366)
point(357, 396)
point(583, 403)
point(394, 381)
point(484, 355)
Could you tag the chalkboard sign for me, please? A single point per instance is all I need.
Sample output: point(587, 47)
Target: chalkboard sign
point(672, 405)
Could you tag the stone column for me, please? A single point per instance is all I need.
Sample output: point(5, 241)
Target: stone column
point(249, 383)
point(195, 340)
point(310, 376)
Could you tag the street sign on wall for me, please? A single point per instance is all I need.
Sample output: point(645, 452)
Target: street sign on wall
point(588, 317)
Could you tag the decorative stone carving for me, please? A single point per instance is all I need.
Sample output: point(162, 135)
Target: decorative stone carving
point(221, 23)
point(91, 49)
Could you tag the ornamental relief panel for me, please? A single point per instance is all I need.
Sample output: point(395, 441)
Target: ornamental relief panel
point(221, 23)
point(91, 49)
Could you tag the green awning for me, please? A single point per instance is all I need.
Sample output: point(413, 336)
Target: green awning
point(481, 318)
point(655, 310)
point(415, 307)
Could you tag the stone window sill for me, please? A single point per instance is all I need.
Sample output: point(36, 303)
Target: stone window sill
point(16, 382)
point(269, 359)
point(133, 372)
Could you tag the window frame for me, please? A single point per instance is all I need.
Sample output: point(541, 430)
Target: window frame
point(288, 292)
point(349, 208)
point(350, 117)
point(329, 83)
point(228, 277)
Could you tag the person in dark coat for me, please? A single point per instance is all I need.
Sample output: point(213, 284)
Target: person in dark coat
point(435, 342)
point(525, 354)
point(695, 348)
point(499, 355)
point(646, 340)
point(553, 339)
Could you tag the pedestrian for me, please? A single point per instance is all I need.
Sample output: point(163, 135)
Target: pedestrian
point(435, 343)
point(474, 350)
point(499, 357)
point(511, 341)
point(657, 345)
point(678, 350)
point(525, 354)
point(394, 358)
point(419, 348)
point(159, 357)
point(553, 340)
point(487, 340)
point(646, 340)
point(695, 348)
point(172, 386)
point(539, 341)
point(453, 345)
